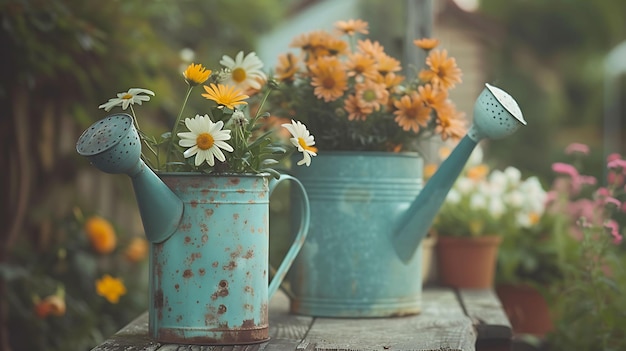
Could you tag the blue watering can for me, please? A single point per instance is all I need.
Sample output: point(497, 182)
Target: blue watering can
point(209, 241)
point(362, 257)
point(496, 115)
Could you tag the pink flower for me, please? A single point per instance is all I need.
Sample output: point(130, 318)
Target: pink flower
point(577, 148)
point(587, 180)
point(565, 169)
point(612, 201)
point(617, 165)
point(613, 228)
point(613, 156)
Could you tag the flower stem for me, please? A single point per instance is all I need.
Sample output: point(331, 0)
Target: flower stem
point(142, 137)
point(175, 128)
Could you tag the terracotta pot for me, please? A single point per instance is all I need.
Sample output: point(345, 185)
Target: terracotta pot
point(428, 247)
point(464, 262)
point(526, 308)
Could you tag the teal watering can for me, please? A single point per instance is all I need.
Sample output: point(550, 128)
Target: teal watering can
point(209, 241)
point(370, 212)
point(496, 115)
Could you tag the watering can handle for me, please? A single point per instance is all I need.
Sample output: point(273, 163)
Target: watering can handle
point(298, 241)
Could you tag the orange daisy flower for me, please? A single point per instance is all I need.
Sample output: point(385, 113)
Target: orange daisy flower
point(390, 80)
point(370, 95)
point(388, 64)
point(328, 78)
point(361, 65)
point(101, 234)
point(336, 46)
point(434, 98)
point(287, 67)
point(355, 110)
point(370, 48)
point(450, 122)
point(351, 27)
point(426, 43)
point(411, 113)
point(443, 71)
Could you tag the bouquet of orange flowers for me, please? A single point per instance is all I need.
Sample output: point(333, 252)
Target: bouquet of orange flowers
point(352, 95)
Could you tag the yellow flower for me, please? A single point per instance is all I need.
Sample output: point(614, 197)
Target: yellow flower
point(101, 234)
point(110, 288)
point(478, 172)
point(328, 78)
point(223, 95)
point(287, 67)
point(351, 27)
point(136, 250)
point(426, 43)
point(450, 122)
point(412, 114)
point(443, 70)
point(429, 170)
point(196, 74)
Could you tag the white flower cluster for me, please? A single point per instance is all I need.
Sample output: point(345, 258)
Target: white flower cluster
point(502, 192)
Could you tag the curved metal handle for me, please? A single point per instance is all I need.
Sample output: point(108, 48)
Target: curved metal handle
point(293, 251)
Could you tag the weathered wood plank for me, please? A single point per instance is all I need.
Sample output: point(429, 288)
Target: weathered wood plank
point(442, 325)
point(286, 333)
point(485, 309)
point(133, 337)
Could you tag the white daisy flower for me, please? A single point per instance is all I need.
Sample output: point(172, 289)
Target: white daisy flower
point(303, 140)
point(125, 99)
point(205, 139)
point(245, 72)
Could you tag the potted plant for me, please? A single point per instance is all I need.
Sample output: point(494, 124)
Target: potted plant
point(588, 302)
point(203, 190)
point(481, 208)
point(368, 117)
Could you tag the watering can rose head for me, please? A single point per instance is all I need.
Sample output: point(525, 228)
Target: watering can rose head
point(352, 84)
point(226, 137)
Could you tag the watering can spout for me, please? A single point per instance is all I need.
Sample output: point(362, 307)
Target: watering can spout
point(112, 145)
point(496, 115)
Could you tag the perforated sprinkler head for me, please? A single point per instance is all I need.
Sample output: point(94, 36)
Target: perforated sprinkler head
point(496, 115)
point(112, 144)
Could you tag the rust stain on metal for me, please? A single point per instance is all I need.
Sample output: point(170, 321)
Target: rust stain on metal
point(208, 212)
point(193, 203)
point(235, 216)
point(234, 181)
point(177, 287)
point(249, 289)
point(230, 266)
point(204, 228)
point(249, 254)
point(187, 273)
point(249, 307)
point(185, 227)
point(193, 256)
point(187, 239)
point(179, 318)
point(241, 191)
point(204, 238)
point(237, 252)
point(201, 271)
point(221, 309)
point(215, 264)
point(222, 290)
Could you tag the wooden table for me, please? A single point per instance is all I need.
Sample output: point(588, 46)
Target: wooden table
point(450, 320)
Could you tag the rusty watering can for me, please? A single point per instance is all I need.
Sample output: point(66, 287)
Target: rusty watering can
point(362, 257)
point(209, 241)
